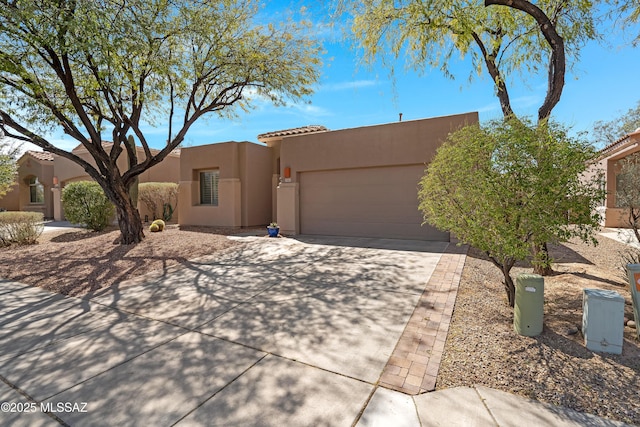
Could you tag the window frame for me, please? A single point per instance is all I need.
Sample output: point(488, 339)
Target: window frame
point(36, 191)
point(214, 177)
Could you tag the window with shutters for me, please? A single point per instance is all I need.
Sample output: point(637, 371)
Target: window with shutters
point(209, 187)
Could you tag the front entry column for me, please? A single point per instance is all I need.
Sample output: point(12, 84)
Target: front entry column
point(288, 207)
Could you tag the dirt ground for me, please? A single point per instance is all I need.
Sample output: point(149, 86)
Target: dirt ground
point(77, 261)
point(554, 367)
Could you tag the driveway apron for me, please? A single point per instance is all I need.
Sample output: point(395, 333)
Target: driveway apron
point(273, 332)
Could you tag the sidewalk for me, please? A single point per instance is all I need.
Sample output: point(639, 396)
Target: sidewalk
point(470, 407)
point(58, 225)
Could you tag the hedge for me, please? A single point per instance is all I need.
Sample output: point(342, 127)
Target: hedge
point(85, 203)
point(21, 228)
point(160, 198)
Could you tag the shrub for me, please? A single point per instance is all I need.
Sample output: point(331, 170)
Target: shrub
point(159, 223)
point(22, 228)
point(508, 186)
point(154, 227)
point(160, 198)
point(84, 202)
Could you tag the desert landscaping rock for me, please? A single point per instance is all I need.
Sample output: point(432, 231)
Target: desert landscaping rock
point(555, 368)
point(572, 331)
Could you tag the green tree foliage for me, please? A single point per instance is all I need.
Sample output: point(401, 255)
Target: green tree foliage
point(511, 36)
point(8, 165)
point(503, 186)
point(503, 37)
point(627, 14)
point(94, 67)
point(628, 197)
point(611, 131)
point(160, 198)
point(84, 202)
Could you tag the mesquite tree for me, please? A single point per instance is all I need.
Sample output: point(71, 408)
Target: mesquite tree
point(96, 67)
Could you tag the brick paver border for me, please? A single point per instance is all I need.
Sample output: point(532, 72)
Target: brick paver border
point(414, 363)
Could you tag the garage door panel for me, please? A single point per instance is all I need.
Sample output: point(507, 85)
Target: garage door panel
point(370, 202)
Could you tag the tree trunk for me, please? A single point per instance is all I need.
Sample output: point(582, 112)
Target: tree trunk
point(510, 288)
point(505, 265)
point(541, 260)
point(130, 224)
point(634, 215)
point(131, 230)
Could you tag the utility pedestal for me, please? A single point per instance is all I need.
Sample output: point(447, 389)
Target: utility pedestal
point(603, 320)
point(528, 312)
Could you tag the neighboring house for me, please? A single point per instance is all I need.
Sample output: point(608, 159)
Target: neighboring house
point(67, 171)
point(609, 162)
point(351, 182)
point(42, 176)
point(32, 191)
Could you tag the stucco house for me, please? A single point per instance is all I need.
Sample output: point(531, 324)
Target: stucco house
point(361, 181)
point(310, 180)
point(66, 171)
point(32, 190)
point(43, 175)
point(609, 162)
point(226, 184)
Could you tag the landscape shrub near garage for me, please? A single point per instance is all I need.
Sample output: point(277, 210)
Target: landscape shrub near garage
point(85, 203)
point(22, 228)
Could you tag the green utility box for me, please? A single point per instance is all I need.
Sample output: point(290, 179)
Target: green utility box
point(528, 313)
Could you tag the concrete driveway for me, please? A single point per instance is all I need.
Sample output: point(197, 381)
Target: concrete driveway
point(275, 332)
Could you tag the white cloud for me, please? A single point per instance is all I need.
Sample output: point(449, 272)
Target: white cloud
point(487, 108)
point(522, 105)
point(311, 111)
point(527, 101)
point(352, 85)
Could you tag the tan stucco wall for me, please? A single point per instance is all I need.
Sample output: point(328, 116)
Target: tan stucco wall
point(11, 200)
point(400, 143)
point(244, 197)
point(395, 144)
point(255, 176)
point(43, 169)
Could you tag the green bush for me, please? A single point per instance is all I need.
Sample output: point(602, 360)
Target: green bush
point(84, 202)
point(159, 223)
point(154, 227)
point(160, 198)
point(22, 228)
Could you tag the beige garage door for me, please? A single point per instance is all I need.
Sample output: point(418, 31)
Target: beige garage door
point(368, 202)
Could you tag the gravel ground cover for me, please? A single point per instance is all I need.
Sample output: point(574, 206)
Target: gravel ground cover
point(555, 367)
point(77, 261)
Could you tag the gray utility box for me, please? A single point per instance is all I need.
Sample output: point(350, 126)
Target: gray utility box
point(528, 312)
point(603, 320)
point(633, 270)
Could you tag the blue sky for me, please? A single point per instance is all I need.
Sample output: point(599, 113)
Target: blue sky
point(604, 84)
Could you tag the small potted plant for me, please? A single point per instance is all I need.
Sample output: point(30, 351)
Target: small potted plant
point(273, 229)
